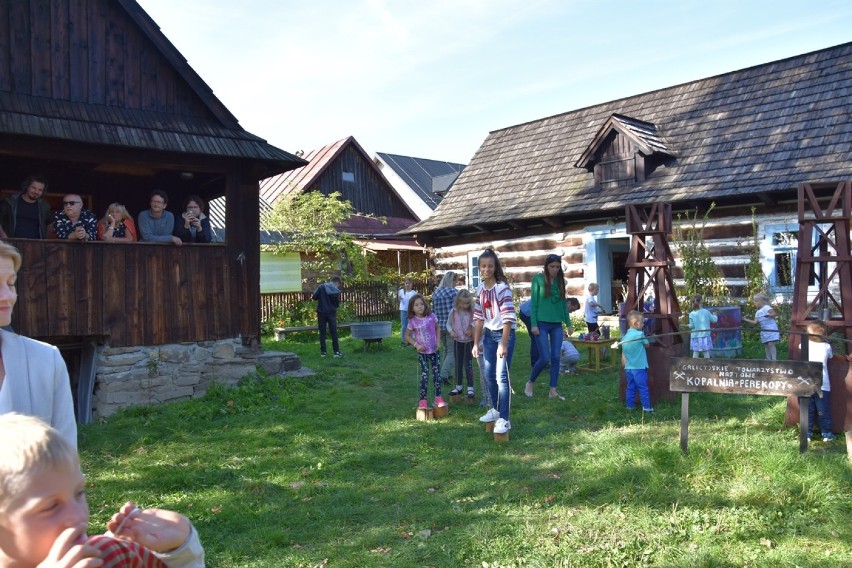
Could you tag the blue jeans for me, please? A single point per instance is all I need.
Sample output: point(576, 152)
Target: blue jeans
point(497, 370)
point(403, 318)
point(553, 331)
point(637, 379)
point(819, 407)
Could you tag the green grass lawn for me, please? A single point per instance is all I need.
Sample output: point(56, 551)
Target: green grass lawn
point(335, 470)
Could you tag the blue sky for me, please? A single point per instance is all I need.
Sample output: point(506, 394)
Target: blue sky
point(431, 78)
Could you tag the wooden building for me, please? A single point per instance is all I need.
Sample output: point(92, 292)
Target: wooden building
point(740, 140)
point(345, 167)
point(96, 98)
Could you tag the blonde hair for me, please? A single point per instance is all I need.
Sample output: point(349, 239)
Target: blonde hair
point(817, 331)
point(30, 447)
point(593, 286)
point(10, 252)
point(761, 296)
point(461, 296)
point(116, 207)
point(633, 316)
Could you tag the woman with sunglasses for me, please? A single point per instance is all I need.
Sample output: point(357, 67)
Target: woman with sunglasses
point(117, 226)
point(548, 313)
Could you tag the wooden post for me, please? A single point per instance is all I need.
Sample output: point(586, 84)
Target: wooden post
point(684, 421)
point(504, 437)
point(803, 424)
point(424, 414)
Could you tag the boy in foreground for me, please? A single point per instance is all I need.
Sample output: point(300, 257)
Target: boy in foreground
point(44, 513)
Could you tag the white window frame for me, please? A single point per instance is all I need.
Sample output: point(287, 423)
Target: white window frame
point(473, 269)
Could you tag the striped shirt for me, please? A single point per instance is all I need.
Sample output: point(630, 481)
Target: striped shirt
point(117, 553)
point(494, 306)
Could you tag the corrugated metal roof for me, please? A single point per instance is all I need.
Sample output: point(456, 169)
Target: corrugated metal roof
point(427, 178)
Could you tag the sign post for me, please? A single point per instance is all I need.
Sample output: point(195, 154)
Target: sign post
point(745, 376)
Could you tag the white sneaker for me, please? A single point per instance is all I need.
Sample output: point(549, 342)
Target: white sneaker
point(502, 426)
point(490, 416)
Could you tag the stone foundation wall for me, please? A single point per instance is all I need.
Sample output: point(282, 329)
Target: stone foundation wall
point(145, 375)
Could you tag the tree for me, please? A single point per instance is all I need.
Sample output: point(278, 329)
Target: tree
point(309, 222)
point(700, 273)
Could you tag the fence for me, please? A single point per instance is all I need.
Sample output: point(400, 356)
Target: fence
point(373, 302)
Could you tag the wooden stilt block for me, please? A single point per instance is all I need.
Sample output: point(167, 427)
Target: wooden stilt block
point(440, 411)
point(489, 427)
point(469, 400)
point(504, 437)
point(424, 414)
point(456, 397)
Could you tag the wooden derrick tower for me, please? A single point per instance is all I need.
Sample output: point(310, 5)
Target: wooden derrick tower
point(824, 261)
point(649, 275)
point(649, 269)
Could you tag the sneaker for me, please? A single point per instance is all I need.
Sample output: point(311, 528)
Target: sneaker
point(502, 426)
point(423, 404)
point(830, 437)
point(648, 409)
point(490, 416)
point(456, 391)
point(338, 354)
point(470, 393)
point(322, 354)
point(630, 407)
point(439, 401)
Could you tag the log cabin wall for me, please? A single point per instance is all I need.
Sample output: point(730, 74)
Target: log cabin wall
point(135, 294)
point(728, 235)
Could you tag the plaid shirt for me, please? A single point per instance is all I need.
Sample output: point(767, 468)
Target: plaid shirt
point(442, 303)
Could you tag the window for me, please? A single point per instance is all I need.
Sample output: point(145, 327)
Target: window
point(784, 246)
point(473, 269)
point(349, 177)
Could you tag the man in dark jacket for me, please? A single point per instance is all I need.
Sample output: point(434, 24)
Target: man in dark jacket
point(26, 215)
point(327, 296)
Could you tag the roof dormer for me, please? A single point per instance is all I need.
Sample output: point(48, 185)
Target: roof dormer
point(624, 151)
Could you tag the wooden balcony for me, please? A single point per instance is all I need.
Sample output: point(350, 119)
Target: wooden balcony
point(133, 294)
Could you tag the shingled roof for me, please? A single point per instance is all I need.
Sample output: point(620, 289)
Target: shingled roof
point(746, 133)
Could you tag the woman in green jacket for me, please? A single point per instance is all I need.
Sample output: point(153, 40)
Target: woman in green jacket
point(547, 315)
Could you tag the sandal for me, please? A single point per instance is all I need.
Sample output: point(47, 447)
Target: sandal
point(556, 395)
point(456, 391)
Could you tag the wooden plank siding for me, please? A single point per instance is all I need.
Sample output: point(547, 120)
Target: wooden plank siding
point(370, 192)
point(140, 294)
point(95, 54)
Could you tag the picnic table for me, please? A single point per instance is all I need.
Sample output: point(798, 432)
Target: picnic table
point(596, 362)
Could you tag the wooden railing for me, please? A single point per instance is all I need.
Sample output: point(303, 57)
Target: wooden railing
point(134, 294)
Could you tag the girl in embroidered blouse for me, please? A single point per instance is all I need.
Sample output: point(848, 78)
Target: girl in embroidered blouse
point(423, 333)
point(117, 226)
point(494, 324)
point(548, 313)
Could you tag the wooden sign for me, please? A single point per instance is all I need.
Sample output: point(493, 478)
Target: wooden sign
point(745, 376)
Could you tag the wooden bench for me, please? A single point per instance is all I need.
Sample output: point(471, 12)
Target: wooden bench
point(281, 332)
